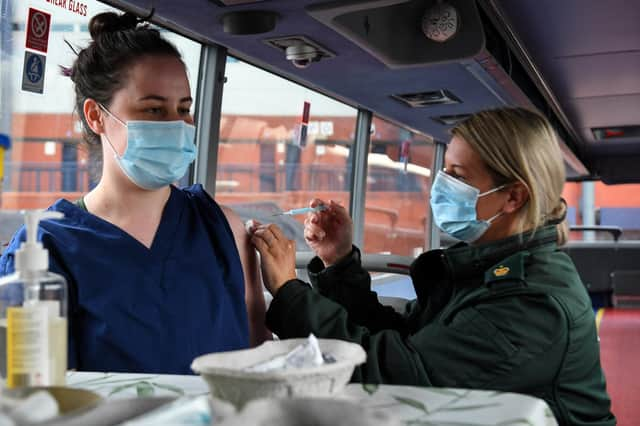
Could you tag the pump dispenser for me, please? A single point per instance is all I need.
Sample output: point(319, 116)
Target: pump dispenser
point(33, 315)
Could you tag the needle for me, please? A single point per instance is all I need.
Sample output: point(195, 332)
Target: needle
point(303, 210)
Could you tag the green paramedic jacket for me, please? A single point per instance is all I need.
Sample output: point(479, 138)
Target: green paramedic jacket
point(511, 315)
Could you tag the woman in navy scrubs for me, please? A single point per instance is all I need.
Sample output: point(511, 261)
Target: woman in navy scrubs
point(157, 275)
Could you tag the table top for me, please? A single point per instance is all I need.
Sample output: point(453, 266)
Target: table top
point(409, 404)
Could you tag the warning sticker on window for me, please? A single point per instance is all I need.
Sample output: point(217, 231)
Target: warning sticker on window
point(33, 72)
point(38, 24)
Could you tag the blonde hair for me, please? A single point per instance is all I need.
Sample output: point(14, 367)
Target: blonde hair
point(519, 145)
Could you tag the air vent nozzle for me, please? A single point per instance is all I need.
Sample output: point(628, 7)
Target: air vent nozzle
point(450, 120)
point(425, 99)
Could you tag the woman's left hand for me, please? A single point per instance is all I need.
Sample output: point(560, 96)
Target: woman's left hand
point(277, 255)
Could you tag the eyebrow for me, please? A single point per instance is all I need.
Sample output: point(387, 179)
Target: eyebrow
point(457, 166)
point(163, 99)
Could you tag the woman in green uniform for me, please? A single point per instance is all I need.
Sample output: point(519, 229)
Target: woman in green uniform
point(503, 309)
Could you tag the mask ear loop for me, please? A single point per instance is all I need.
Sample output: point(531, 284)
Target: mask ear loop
point(115, 153)
point(494, 217)
point(102, 107)
point(491, 191)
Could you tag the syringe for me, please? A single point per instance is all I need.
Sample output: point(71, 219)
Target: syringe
point(303, 210)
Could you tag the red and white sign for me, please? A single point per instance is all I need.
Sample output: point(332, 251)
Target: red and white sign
point(71, 5)
point(38, 25)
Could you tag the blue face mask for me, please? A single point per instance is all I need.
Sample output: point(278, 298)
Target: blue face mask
point(158, 152)
point(453, 204)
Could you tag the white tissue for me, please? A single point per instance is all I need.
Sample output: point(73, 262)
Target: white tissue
point(38, 407)
point(306, 355)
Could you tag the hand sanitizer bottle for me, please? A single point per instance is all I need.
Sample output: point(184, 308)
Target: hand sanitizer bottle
point(33, 315)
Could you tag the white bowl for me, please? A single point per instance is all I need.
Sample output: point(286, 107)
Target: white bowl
point(225, 372)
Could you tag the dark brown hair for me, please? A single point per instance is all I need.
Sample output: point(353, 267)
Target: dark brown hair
point(118, 42)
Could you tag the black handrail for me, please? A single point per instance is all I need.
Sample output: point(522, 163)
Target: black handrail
point(616, 231)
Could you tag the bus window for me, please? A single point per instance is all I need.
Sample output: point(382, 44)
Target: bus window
point(603, 206)
point(398, 182)
point(280, 145)
point(46, 160)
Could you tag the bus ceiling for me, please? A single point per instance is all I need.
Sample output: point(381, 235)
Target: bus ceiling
point(390, 57)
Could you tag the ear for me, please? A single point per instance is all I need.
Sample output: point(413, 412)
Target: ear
point(94, 116)
point(518, 195)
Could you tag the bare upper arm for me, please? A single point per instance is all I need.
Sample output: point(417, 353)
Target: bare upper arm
point(254, 296)
point(246, 251)
point(237, 227)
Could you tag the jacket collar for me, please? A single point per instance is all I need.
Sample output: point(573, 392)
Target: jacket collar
point(436, 273)
point(465, 261)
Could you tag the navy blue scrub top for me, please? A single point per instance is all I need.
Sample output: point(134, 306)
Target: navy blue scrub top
point(139, 309)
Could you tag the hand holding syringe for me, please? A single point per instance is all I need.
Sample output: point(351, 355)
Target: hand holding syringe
point(328, 230)
point(303, 210)
point(251, 225)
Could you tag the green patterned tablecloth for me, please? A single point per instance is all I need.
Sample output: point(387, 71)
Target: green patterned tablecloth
point(412, 405)
point(127, 385)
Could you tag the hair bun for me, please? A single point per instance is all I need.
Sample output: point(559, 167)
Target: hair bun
point(110, 22)
point(559, 213)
